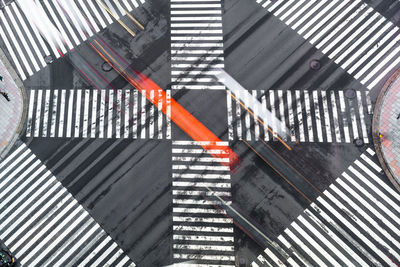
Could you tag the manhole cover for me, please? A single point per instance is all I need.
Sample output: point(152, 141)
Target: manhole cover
point(350, 93)
point(359, 142)
point(106, 67)
point(48, 59)
point(315, 64)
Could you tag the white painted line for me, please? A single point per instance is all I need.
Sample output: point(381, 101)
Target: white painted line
point(198, 210)
point(21, 21)
point(96, 14)
point(95, 251)
point(320, 137)
point(104, 12)
point(366, 44)
point(265, 119)
point(135, 110)
point(94, 114)
point(325, 16)
point(200, 159)
point(202, 247)
point(102, 113)
point(21, 37)
point(12, 54)
point(362, 118)
point(238, 121)
point(143, 117)
point(353, 115)
point(127, 113)
point(344, 116)
point(60, 13)
point(86, 114)
point(282, 115)
point(54, 114)
point(274, 258)
point(58, 24)
point(291, 116)
point(345, 234)
point(160, 115)
point(38, 113)
point(151, 116)
point(200, 167)
point(300, 116)
point(247, 116)
point(333, 23)
point(195, 12)
point(46, 112)
point(78, 112)
point(339, 241)
point(211, 229)
point(200, 193)
point(201, 176)
point(335, 117)
point(325, 108)
point(200, 143)
point(204, 257)
point(204, 238)
point(118, 114)
point(373, 187)
point(88, 15)
point(363, 201)
point(70, 110)
point(62, 115)
point(371, 231)
point(307, 102)
point(201, 184)
point(304, 247)
point(354, 229)
point(199, 151)
point(30, 113)
point(110, 106)
point(309, 14)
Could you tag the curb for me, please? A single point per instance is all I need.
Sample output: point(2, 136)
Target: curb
point(375, 130)
point(21, 87)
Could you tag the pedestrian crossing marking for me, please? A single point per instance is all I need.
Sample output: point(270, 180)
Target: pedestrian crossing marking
point(196, 44)
point(355, 222)
point(85, 20)
point(201, 230)
point(310, 115)
point(84, 113)
point(352, 34)
point(43, 224)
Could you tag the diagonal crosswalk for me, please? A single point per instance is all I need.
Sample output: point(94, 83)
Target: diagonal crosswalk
point(84, 113)
point(196, 44)
point(354, 223)
point(310, 115)
point(351, 33)
point(43, 224)
point(26, 46)
point(201, 231)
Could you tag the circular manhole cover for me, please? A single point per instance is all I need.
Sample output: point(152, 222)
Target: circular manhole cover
point(315, 64)
point(359, 142)
point(350, 93)
point(106, 67)
point(48, 59)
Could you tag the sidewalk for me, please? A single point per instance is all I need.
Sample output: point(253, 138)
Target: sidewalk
point(12, 112)
point(386, 128)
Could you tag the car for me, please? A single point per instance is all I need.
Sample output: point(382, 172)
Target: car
point(6, 259)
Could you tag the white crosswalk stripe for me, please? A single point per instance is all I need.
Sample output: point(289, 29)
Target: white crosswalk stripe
point(26, 47)
point(201, 231)
point(42, 223)
point(96, 114)
point(310, 115)
point(196, 44)
point(355, 222)
point(351, 33)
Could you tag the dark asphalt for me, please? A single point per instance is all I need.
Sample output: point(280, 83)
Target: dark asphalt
point(126, 184)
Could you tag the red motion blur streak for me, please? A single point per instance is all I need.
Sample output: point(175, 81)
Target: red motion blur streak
point(179, 115)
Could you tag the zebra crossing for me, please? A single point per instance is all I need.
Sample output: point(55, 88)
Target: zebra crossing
point(196, 44)
point(42, 223)
point(202, 232)
point(310, 115)
point(84, 113)
point(26, 46)
point(354, 223)
point(352, 34)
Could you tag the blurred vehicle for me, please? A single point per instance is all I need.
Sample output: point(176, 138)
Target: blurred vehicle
point(6, 259)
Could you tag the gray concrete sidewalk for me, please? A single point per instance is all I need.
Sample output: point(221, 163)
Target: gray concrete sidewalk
point(13, 112)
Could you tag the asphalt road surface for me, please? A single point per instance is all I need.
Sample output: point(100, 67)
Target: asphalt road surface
point(153, 190)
